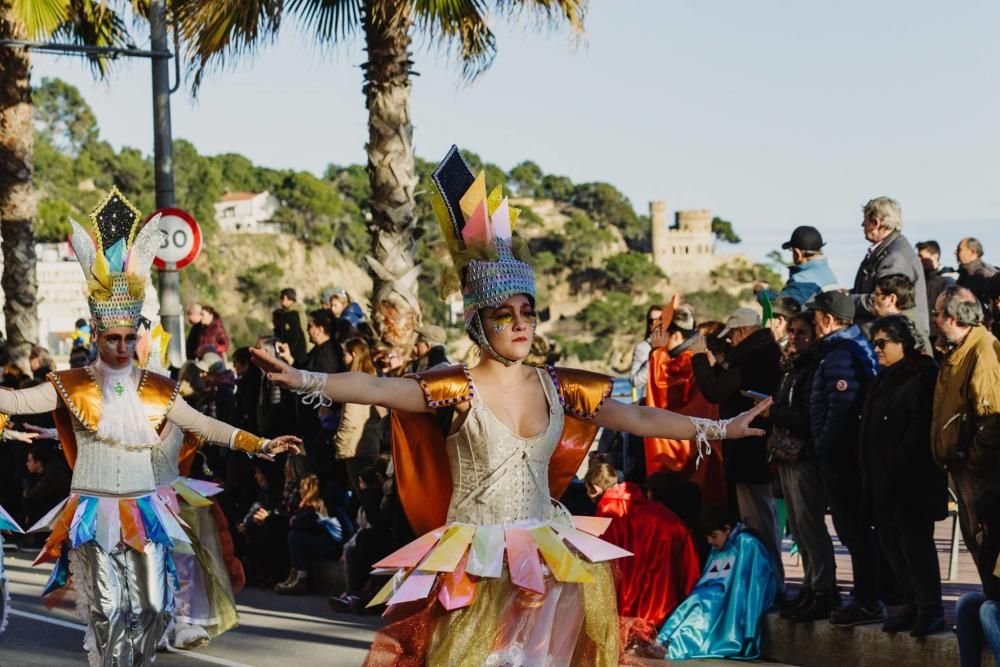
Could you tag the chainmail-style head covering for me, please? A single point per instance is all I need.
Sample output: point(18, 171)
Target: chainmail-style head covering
point(492, 265)
point(116, 260)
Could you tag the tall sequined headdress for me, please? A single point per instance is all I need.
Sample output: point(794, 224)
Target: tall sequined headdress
point(116, 260)
point(479, 231)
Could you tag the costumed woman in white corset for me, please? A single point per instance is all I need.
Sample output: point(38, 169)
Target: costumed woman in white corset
point(502, 574)
point(113, 534)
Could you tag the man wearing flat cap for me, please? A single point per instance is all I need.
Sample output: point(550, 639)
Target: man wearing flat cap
point(848, 365)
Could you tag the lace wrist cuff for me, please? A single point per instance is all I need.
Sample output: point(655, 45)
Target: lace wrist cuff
point(706, 430)
point(312, 389)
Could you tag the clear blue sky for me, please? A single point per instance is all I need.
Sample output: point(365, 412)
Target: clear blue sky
point(770, 113)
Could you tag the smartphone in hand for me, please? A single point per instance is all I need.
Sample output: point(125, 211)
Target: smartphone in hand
point(755, 396)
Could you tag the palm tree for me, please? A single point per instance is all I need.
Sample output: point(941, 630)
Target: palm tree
point(222, 29)
point(79, 21)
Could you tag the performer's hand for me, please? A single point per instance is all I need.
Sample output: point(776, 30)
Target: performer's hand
point(284, 443)
point(43, 433)
point(740, 426)
point(276, 370)
point(21, 436)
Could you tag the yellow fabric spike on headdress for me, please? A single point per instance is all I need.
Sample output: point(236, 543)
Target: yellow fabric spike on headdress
point(473, 196)
point(101, 272)
point(515, 213)
point(444, 221)
point(495, 198)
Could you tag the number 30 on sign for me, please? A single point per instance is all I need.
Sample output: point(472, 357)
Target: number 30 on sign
point(181, 239)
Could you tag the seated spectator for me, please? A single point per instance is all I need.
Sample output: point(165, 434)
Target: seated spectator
point(265, 526)
point(903, 487)
point(47, 483)
point(342, 307)
point(370, 544)
point(722, 616)
point(312, 536)
point(664, 566)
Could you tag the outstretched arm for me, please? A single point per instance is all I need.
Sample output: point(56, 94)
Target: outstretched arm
point(212, 430)
point(394, 393)
point(657, 423)
point(37, 399)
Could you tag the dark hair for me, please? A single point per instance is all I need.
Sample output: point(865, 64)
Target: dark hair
point(931, 246)
point(79, 349)
point(649, 325)
point(325, 320)
point(80, 322)
point(806, 317)
point(974, 245)
point(289, 293)
point(345, 330)
point(242, 355)
point(40, 455)
point(900, 329)
point(993, 287)
point(962, 306)
point(715, 517)
point(211, 311)
point(902, 287)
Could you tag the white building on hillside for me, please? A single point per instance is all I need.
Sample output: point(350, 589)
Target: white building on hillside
point(247, 212)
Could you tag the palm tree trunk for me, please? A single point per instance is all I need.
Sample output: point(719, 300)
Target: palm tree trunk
point(395, 304)
point(17, 201)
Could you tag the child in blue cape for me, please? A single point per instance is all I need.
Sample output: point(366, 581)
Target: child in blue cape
point(721, 618)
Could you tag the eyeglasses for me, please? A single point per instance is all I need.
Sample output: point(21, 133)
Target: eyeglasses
point(880, 343)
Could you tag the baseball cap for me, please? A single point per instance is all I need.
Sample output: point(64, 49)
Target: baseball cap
point(432, 333)
point(208, 360)
point(741, 317)
point(683, 320)
point(804, 238)
point(837, 304)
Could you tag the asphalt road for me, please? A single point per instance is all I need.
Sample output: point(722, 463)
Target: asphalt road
point(274, 631)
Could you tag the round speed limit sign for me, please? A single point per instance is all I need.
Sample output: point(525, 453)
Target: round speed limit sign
point(181, 239)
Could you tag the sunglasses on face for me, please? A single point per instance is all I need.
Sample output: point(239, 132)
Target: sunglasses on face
point(880, 343)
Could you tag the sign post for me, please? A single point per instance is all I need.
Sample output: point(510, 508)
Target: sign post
point(181, 246)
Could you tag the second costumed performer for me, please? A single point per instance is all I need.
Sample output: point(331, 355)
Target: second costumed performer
point(501, 574)
point(113, 534)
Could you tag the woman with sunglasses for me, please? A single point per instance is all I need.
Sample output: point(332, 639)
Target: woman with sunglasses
point(904, 489)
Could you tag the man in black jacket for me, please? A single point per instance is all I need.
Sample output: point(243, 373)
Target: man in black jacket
point(290, 325)
point(936, 276)
point(973, 273)
point(754, 364)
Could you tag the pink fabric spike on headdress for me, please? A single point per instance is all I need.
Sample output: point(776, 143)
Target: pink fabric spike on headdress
point(478, 229)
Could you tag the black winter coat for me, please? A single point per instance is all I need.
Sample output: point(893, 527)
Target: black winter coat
point(900, 479)
point(791, 404)
point(755, 365)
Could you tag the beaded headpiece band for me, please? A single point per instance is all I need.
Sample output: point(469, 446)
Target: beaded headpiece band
point(116, 260)
point(478, 228)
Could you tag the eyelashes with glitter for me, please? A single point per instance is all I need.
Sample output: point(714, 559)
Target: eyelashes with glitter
point(501, 322)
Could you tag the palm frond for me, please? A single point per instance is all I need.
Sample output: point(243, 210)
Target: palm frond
point(329, 20)
point(91, 23)
point(222, 29)
point(40, 18)
point(462, 25)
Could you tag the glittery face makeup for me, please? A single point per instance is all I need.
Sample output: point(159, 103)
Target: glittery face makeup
point(501, 322)
point(117, 348)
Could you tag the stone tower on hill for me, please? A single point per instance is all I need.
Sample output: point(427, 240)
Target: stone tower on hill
point(686, 247)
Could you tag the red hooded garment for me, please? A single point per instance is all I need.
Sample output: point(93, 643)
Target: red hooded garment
point(664, 568)
point(672, 387)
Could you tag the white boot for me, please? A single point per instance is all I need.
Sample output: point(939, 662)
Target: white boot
point(188, 636)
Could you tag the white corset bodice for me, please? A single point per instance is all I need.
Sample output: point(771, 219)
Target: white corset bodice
point(105, 469)
point(497, 476)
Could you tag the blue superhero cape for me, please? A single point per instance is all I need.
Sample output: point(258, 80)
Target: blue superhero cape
point(721, 617)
